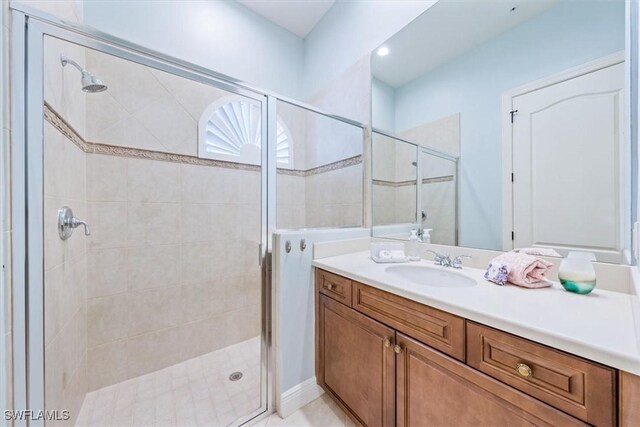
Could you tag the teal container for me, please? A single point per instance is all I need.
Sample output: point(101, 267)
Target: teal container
point(582, 288)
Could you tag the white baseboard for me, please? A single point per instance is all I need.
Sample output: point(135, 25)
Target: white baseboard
point(298, 396)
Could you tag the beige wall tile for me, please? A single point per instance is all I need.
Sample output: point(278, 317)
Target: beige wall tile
point(63, 356)
point(107, 319)
point(124, 131)
point(107, 364)
point(153, 266)
point(64, 166)
point(152, 181)
point(106, 272)
point(73, 395)
point(204, 184)
point(108, 221)
point(65, 295)
point(106, 178)
point(153, 223)
point(170, 124)
point(205, 222)
point(193, 96)
point(144, 354)
point(153, 309)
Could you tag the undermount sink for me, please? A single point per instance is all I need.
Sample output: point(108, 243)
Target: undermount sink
point(431, 276)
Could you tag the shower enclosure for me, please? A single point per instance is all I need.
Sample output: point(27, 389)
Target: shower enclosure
point(145, 198)
point(143, 207)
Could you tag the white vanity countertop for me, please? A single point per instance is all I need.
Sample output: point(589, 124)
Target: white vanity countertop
point(599, 326)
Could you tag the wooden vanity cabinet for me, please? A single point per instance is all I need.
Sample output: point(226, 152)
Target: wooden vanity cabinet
point(389, 363)
point(436, 390)
point(356, 363)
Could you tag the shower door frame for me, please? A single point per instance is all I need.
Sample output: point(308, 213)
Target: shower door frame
point(29, 29)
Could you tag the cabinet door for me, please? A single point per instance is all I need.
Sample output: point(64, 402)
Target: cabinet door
point(356, 363)
point(436, 390)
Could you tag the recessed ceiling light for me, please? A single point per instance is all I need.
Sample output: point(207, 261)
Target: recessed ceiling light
point(383, 51)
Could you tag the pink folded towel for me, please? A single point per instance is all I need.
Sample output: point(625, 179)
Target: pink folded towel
point(524, 270)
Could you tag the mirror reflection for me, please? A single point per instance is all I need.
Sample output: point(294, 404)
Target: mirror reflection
point(531, 98)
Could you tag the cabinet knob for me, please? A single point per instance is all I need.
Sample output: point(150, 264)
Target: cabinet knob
point(524, 370)
point(386, 342)
point(328, 286)
point(397, 349)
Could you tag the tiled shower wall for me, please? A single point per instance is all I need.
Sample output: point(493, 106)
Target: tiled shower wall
point(170, 270)
point(173, 261)
point(326, 189)
point(65, 262)
point(173, 264)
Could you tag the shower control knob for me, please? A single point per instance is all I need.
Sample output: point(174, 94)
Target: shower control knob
point(67, 223)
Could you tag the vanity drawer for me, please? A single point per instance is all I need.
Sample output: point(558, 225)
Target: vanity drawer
point(581, 388)
point(440, 330)
point(334, 286)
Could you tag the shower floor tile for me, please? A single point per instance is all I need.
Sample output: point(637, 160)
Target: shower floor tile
point(196, 392)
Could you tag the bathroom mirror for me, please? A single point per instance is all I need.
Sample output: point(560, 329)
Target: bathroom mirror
point(529, 102)
point(395, 180)
point(413, 188)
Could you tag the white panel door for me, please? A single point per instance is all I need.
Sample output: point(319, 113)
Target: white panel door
point(567, 142)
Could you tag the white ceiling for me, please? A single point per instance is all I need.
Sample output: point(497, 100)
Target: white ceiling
point(297, 16)
point(446, 30)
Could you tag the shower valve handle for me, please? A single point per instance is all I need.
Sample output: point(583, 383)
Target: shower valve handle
point(75, 223)
point(67, 223)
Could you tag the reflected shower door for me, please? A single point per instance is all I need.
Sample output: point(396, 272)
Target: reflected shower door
point(439, 197)
point(153, 313)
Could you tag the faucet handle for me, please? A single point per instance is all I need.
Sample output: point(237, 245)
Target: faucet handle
point(457, 261)
point(438, 258)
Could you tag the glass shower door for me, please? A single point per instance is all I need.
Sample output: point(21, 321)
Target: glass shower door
point(153, 220)
point(439, 197)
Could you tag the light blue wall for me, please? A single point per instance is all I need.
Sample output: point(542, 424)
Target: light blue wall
point(229, 38)
point(382, 109)
point(295, 292)
point(223, 36)
point(349, 31)
point(567, 35)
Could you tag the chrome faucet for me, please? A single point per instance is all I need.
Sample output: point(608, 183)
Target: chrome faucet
point(445, 260)
point(441, 259)
point(457, 261)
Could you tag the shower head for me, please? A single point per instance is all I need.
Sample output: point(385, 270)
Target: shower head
point(90, 83)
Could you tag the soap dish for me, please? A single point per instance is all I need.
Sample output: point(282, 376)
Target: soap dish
point(389, 260)
point(379, 247)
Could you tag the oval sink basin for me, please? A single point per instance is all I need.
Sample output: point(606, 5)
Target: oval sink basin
point(430, 276)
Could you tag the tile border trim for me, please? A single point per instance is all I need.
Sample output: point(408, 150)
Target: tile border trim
point(384, 183)
point(74, 136)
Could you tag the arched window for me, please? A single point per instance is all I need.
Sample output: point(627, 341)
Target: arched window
point(230, 129)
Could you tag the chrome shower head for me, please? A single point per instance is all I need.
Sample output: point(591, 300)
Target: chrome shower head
point(90, 83)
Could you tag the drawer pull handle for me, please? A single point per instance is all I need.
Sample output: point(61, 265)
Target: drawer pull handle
point(524, 370)
point(386, 342)
point(397, 349)
point(329, 286)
